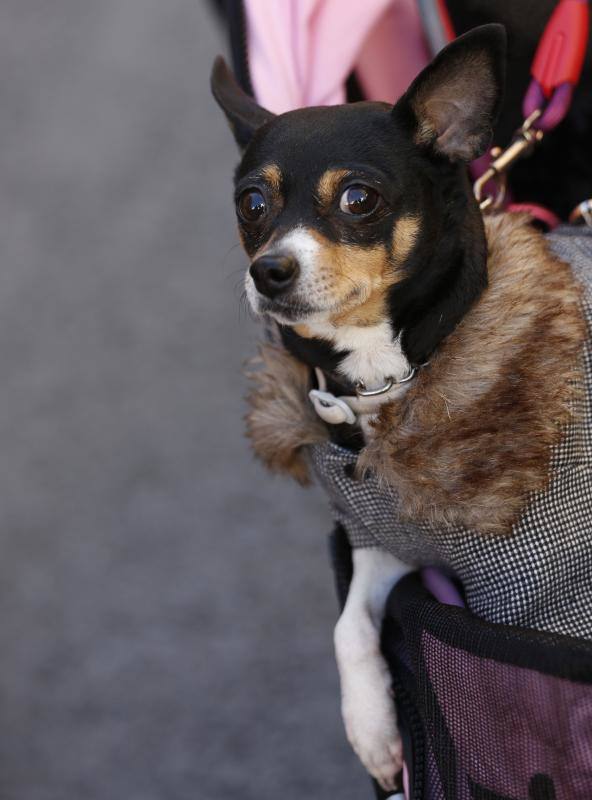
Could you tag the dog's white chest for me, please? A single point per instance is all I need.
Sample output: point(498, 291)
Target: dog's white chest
point(373, 352)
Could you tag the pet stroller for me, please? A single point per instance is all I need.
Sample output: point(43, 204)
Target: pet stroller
point(487, 710)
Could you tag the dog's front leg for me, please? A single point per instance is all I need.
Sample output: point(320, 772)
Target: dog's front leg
point(366, 695)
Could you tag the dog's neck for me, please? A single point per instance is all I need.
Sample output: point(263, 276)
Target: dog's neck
point(368, 354)
point(347, 358)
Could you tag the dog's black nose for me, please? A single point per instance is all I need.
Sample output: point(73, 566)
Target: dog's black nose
point(274, 274)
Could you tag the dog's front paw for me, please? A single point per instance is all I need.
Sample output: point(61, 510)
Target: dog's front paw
point(371, 722)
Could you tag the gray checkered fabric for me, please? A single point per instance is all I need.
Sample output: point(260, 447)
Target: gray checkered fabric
point(540, 577)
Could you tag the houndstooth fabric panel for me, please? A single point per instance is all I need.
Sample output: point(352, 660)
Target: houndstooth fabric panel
point(541, 576)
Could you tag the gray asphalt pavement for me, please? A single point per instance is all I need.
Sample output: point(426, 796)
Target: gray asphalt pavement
point(166, 608)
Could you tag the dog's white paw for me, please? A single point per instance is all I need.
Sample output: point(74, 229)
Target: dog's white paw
point(371, 722)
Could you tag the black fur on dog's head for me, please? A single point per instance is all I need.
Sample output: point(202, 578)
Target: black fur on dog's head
point(363, 213)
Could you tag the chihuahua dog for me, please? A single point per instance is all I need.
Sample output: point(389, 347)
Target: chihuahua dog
point(370, 255)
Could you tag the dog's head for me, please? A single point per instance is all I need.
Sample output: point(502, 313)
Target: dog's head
point(359, 213)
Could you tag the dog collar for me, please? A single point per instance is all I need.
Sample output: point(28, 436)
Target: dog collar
point(347, 408)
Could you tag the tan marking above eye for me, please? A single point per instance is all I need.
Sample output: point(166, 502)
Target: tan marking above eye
point(328, 185)
point(272, 176)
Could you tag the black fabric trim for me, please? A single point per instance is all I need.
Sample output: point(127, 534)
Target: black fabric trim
point(409, 718)
point(341, 560)
point(549, 653)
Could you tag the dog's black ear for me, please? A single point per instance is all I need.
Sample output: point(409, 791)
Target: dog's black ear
point(242, 112)
point(455, 100)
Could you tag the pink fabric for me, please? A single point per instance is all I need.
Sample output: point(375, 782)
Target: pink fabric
point(301, 51)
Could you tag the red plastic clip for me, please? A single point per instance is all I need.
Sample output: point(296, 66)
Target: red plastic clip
point(560, 55)
point(557, 64)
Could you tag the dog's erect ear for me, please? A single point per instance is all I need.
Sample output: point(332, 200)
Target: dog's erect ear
point(242, 112)
point(455, 100)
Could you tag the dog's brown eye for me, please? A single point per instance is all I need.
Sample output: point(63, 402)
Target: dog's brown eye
point(359, 200)
point(251, 205)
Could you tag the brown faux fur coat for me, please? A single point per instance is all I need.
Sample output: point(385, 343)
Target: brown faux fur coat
point(472, 437)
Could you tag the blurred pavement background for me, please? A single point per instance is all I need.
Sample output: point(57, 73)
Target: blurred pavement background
point(166, 608)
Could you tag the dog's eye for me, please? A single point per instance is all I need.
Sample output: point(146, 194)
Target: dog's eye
point(359, 200)
point(251, 205)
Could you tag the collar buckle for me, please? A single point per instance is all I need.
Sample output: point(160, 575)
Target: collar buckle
point(347, 409)
point(361, 390)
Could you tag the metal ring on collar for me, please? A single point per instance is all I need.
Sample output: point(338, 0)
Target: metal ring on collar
point(361, 390)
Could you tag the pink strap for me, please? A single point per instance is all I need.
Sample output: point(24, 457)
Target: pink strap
point(544, 215)
point(302, 51)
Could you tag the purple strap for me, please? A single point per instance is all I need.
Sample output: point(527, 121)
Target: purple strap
point(556, 108)
point(441, 587)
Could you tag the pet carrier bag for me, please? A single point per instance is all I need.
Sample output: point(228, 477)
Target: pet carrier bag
point(486, 711)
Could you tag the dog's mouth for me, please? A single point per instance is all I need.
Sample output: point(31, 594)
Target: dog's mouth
point(288, 311)
point(295, 309)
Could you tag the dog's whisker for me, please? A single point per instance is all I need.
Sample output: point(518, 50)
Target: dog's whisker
point(222, 262)
point(245, 309)
point(239, 271)
point(239, 285)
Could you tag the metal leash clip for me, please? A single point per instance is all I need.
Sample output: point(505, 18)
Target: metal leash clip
point(522, 144)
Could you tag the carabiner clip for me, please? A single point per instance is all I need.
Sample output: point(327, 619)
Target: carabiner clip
point(522, 144)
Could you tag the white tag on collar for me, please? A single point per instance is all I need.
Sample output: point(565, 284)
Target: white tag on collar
point(331, 409)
